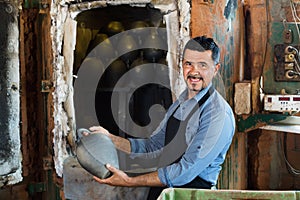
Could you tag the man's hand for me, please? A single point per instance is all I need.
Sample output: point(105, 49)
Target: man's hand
point(120, 143)
point(119, 178)
point(99, 129)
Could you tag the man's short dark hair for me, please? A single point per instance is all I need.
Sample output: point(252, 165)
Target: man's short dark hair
point(202, 43)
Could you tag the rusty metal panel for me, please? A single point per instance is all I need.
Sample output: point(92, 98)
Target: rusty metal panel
point(271, 86)
point(219, 19)
point(222, 20)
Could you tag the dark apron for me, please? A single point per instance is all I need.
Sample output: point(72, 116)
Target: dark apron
point(177, 128)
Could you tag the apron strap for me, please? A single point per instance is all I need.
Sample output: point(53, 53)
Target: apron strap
point(173, 123)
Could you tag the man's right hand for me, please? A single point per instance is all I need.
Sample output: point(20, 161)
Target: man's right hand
point(99, 129)
point(120, 143)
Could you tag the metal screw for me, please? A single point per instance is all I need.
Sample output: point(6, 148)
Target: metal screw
point(9, 8)
point(45, 5)
point(14, 87)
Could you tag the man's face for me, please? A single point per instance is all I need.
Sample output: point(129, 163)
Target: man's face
point(198, 70)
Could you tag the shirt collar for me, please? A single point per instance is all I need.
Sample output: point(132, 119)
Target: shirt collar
point(197, 97)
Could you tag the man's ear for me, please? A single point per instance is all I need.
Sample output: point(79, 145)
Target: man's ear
point(217, 67)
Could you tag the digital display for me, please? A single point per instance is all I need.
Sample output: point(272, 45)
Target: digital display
point(296, 98)
point(284, 98)
point(270, 100)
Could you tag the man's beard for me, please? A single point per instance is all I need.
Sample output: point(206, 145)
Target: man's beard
point(194, 85)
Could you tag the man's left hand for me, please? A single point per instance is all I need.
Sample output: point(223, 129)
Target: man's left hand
point(119, 178)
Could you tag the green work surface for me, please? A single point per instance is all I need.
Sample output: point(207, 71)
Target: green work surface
point(203, 194)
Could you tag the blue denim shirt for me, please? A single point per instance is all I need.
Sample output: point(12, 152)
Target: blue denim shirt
point(209, 133)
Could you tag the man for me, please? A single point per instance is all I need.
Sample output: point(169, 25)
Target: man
point(200, 118)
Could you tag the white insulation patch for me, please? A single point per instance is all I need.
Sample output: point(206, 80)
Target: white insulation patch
point(60, 94)
point(61, 127)
point(178, 26)
point(177, 19)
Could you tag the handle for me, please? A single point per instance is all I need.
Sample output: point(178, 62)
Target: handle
point(80, 131)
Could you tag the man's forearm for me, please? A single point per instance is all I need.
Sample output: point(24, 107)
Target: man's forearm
point(150, 179)
point(121, 143)
point(120, 178)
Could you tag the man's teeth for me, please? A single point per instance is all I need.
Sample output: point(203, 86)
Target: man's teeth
point(195, 77)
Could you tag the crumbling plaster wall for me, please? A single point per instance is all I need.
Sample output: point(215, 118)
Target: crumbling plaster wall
point(63, 33)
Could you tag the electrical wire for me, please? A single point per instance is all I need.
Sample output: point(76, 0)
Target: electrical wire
point(297, 67)
point(294, 10)
point(295, 49)
point(295, 16)
point(266, 48)
point(294, 13)
point(291, 169)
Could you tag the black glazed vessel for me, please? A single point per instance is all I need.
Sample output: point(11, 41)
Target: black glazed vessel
point(94, 151)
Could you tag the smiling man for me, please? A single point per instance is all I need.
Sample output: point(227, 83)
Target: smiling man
point(200, 122)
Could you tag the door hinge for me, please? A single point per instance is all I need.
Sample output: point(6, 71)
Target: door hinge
point(37, 187)
point(47, 163)
point(46, 85)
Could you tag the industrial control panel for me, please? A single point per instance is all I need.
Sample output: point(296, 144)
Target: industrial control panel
point(281, 81)
point(282, 103)
point(286, 62)
point(286, 69)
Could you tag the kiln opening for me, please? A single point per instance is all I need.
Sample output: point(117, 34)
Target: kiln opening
point(122, 75)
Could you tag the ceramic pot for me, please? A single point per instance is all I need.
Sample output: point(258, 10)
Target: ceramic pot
point(158, 47)
point(114, 27)
point(127, 48)
point(94, 151)
point(113, 73)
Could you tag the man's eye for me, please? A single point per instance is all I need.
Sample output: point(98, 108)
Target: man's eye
point(187, 63)
point(203, 65)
